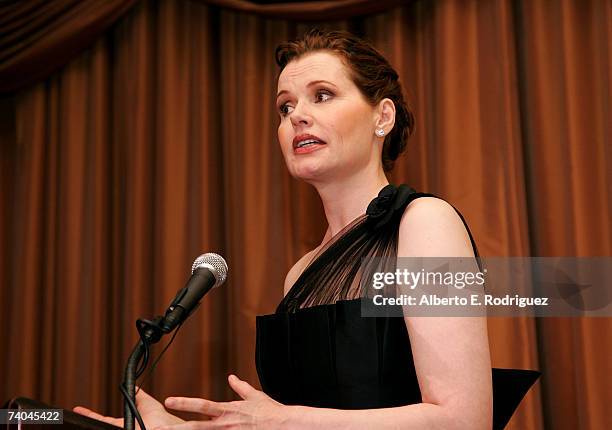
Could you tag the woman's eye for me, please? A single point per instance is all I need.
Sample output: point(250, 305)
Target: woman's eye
point(323, 95)
point(284, 109)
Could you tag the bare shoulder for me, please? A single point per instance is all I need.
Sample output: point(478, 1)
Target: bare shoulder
point(297, 269)
point(432, 227)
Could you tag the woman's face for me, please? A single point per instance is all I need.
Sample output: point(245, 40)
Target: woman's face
point(326, 128)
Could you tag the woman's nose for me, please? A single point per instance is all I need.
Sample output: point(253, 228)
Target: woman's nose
point(299, 116)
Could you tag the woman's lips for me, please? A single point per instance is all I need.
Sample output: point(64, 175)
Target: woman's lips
point(308, 148)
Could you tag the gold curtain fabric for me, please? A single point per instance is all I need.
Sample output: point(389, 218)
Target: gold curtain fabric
point(307, 10)
point(39, 36)
point(158, 142)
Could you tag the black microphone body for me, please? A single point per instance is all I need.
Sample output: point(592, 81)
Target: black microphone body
point(201, 282)
point(207, 272)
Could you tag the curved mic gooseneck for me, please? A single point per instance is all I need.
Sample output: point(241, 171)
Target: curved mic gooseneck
point(208, 271)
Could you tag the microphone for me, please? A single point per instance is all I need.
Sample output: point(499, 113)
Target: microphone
point(207, 272)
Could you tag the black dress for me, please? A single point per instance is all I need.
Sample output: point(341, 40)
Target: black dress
point(317, 350)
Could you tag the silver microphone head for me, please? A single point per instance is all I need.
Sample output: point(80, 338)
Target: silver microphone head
point(213, 262)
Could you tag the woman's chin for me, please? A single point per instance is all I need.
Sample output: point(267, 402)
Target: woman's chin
point(310, 171)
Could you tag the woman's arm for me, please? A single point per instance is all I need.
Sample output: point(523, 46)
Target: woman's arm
point(451, 354)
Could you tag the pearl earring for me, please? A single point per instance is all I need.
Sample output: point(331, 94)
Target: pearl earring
point(380, 132)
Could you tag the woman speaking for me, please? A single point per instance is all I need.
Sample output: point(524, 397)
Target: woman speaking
point(343, 123)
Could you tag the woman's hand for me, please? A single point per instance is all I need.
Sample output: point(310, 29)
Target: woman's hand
point(256, 411)
point(152, 412)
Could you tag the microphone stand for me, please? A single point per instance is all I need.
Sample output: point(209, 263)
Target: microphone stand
point(150, 333)
point(183, 305)
point(129, 385)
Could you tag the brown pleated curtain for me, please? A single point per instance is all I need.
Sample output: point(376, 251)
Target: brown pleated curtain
point(154, 139)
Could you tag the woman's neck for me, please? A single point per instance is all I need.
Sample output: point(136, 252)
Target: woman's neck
point(345, 200)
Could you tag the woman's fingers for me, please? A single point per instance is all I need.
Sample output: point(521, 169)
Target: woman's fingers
point(191, 404)
point(146, 403)
point(96, 416)
point(244, 389)
point(191, 425)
